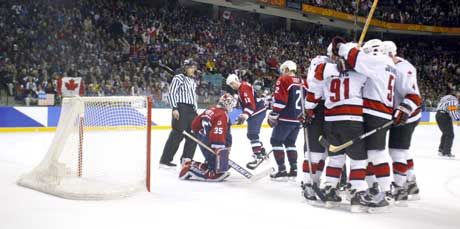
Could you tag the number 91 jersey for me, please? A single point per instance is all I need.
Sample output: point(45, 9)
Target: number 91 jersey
point(342, 92)
point(287, 98)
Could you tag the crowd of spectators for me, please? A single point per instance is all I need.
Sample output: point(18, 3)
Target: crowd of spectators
point(425, 12)
point(115, 46)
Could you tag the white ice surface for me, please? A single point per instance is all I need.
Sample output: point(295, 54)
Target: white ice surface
point(234, 204)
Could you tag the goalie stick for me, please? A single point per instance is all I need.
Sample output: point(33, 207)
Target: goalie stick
point(334, 149)
point(232, 164)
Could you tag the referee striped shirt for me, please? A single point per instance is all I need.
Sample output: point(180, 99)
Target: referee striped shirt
point(449, 104)
point(182, 90)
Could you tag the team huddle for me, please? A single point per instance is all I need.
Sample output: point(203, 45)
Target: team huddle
point(347, 93)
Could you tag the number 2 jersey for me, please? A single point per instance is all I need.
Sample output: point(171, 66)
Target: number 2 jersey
point(214, 123)
point(342, 92)
point(250, 104)
point(379, 87)
point(287, 98)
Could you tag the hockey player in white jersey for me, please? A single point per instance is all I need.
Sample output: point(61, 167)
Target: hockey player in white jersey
point(314, 110)
point(343, 115)
point(378, 105)
point(407, 102)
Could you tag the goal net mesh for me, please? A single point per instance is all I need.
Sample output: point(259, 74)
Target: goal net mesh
point(100, 150)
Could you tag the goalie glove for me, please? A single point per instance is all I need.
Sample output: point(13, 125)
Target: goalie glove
point(272, 119)
point(401, 114)
point(242, 118)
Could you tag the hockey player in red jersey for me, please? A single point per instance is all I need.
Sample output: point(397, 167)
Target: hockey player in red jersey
point(343, 117)
point(284, 119)
point(407, 103)
point(254, 111)
point(212, 127)
point(378, 104)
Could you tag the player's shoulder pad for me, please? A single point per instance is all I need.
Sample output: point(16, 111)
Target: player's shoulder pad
point(246, 84)
point(406, 67)
point(319, 71)
point(284, 80)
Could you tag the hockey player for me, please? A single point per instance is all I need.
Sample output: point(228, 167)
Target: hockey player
point(284, 119)
point(254, 112)
point(212, 127)
point(378, 105)
point(314, 110)
point(407, 99)
point(343, 117)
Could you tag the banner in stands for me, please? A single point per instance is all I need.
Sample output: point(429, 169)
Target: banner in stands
point(375, 22)
point(278, 3)
point(46, 118)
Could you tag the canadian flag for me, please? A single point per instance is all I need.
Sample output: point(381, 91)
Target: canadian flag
point(70, 86)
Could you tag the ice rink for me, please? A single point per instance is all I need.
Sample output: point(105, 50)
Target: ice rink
point(233, 204)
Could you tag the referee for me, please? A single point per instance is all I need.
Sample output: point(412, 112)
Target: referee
point(445, 113)
point(183, 100)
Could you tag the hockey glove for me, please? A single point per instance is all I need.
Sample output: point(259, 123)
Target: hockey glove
point(342, 65)
point(272, 119)
point(336, 42)
point(242, 118)
point(401, 114)
point(307, 118)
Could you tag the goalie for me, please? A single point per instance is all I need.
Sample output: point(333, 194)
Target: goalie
point(212, 127)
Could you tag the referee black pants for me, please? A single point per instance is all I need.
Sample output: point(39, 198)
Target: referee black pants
point(186, 116)
point(447, 128)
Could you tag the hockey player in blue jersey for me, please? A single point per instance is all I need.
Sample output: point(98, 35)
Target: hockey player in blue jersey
point(284, 119)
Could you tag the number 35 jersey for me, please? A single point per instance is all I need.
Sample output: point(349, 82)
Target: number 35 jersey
point(342, 92)
point(287, 98)
point(214, 124)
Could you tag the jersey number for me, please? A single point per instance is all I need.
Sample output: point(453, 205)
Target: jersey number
point(218, 130)
point(298, 100)
point(335, 88)
point(390, 88)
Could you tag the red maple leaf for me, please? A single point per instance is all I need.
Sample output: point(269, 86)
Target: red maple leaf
point(71, 85)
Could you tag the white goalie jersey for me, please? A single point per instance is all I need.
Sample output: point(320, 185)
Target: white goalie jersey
point(378, 91)
point(406, 89)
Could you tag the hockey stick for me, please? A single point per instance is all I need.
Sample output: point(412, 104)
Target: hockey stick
point(306, 146)
point(250, 166)
point(232, 164)
point(368, 22)
point(166, 68)
point(334, 149)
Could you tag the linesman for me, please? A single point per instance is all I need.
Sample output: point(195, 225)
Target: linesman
point(183, 101)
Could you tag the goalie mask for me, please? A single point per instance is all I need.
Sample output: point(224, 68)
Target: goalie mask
point(227, 101)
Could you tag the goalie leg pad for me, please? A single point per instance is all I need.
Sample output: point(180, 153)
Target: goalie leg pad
point(222, 161)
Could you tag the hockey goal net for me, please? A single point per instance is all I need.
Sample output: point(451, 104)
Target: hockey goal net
point(101, 150)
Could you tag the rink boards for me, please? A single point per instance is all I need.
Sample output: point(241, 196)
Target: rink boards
point(14, 119)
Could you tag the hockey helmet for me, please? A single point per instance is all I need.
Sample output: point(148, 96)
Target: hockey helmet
point(329, 50)
point(373, 46)
point(389, 47)
point(232, 78)
point(290, 65)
